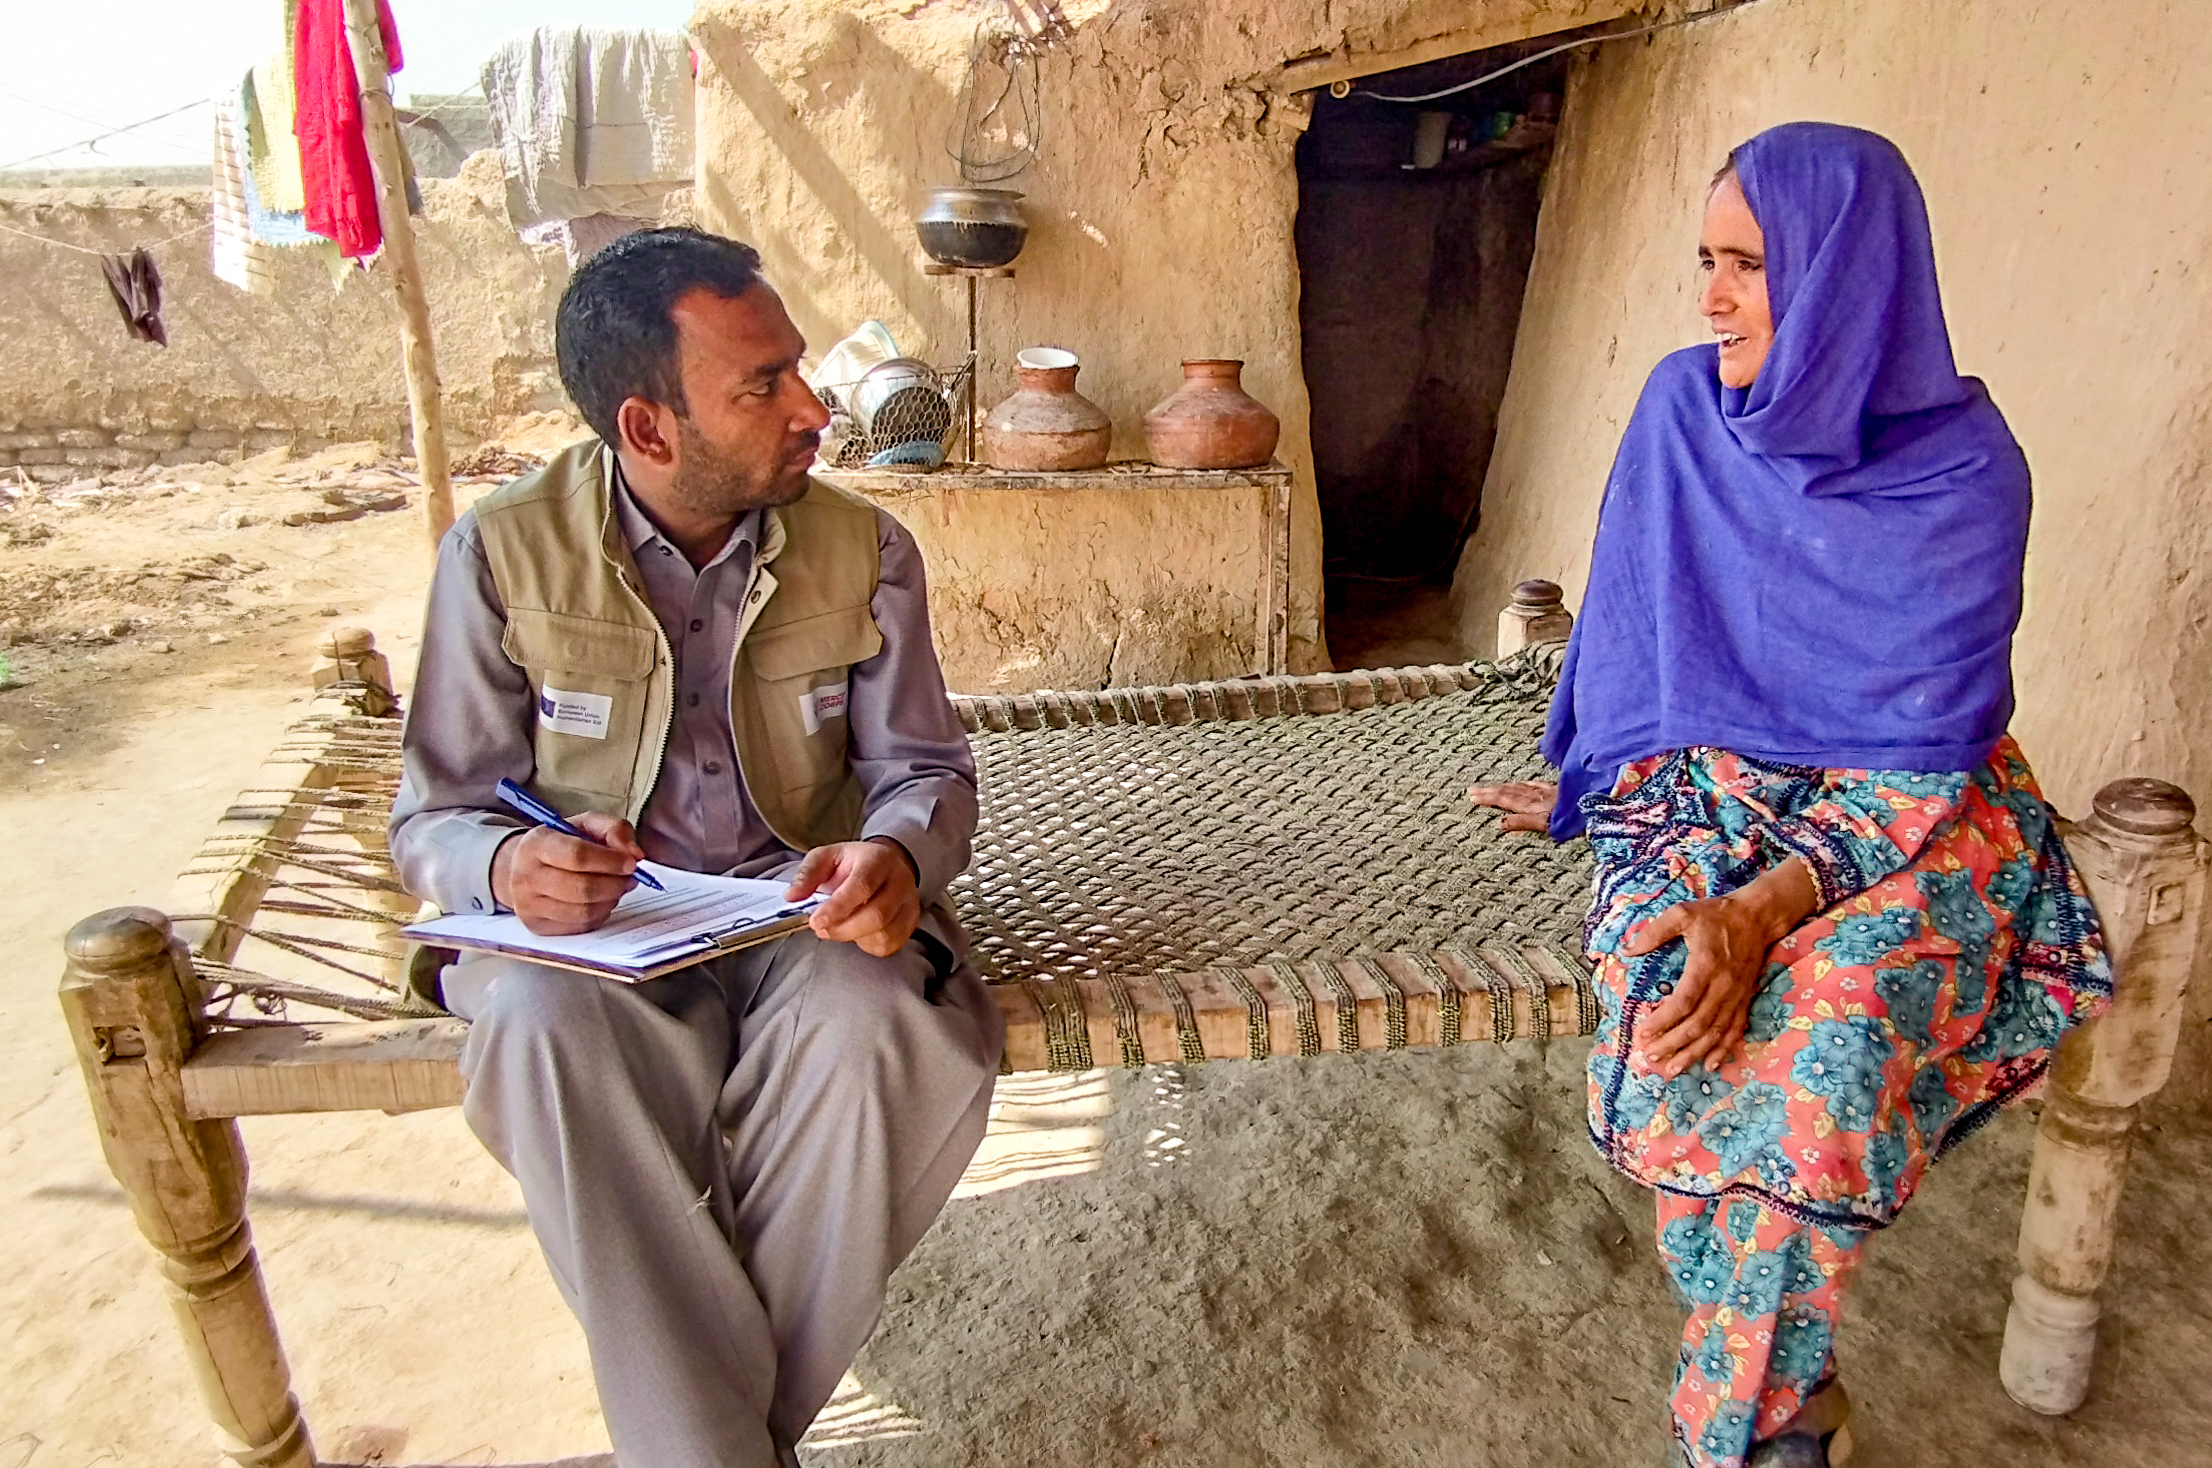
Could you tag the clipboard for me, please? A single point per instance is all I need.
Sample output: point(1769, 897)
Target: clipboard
point(695, 917)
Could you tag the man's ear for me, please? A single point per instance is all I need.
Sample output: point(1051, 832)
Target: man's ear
point(648, 430)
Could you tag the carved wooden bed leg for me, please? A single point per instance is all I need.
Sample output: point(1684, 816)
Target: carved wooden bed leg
point(2145, 869)
point(130, 998)
point(347, 657)
point(1537, 613)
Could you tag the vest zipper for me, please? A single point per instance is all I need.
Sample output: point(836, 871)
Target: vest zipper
point(610, 471)
point(668, 663)
point(746, 612)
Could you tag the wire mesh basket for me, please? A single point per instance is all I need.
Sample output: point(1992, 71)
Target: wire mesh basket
point(901, 413)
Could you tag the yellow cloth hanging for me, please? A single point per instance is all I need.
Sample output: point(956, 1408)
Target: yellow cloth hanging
point(273, 153)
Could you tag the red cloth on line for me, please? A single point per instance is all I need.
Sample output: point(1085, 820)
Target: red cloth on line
point(326, 118)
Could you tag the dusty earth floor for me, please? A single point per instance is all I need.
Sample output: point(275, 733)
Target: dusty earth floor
point(1404, 1259)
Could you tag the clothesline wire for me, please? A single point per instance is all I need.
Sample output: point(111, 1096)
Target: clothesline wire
point(31, 101)
point(111, 132)
point(1491, 76)
point(82, 250)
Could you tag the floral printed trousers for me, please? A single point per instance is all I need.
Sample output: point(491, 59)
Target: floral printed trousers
point(1953, 944)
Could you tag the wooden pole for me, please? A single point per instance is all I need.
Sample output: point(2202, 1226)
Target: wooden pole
point(381, 131)
point(130, 999)
point(2145, 869)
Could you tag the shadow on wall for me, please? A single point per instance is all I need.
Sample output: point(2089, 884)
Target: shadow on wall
point(881, 236)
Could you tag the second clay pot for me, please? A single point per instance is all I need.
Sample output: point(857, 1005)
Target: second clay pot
point(1046, 425)
point(1210, 422)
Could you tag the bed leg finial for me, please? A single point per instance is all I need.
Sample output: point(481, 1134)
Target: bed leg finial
point(347, 656)
point(2145, 869)
point(128, 993)
point(1537, 613)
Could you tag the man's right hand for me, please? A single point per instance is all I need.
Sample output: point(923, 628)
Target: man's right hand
point(557, 884)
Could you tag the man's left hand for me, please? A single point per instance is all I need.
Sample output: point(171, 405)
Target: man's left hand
point(873, 902)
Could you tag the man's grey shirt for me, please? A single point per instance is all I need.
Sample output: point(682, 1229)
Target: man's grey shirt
point(470, 717)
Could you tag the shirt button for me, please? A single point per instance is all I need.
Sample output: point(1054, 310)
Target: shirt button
point(696, 624)
point(713, 767)
point(692, 701)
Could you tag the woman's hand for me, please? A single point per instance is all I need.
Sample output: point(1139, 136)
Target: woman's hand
point(1728, 939)
point(1527, 803)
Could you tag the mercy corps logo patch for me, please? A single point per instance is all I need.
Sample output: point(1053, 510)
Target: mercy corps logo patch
point(819, 705)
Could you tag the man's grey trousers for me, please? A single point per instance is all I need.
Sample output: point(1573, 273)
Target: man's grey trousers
point(723, 1166)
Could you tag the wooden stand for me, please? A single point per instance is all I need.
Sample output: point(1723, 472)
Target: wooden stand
point(131, 1004)
point(2145, 869)
point(380, 130)
point(971, 274)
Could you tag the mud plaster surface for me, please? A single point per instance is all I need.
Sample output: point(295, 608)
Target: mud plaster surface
point(2040, 145)
point(1161, 204)
point(1085, 588)
point(1380, 1260)
point(306, 358)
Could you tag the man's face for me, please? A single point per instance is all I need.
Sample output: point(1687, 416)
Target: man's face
point(752, 424)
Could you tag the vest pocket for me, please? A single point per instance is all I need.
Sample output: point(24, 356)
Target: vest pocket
point(591, 681)
point(795, 695)
point(558, 642)
point(828, 641)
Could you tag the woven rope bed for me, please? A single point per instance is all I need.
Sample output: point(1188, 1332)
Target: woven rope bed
point(1270, 866)
point(1278, 866)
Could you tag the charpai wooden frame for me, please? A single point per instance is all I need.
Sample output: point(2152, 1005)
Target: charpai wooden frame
point(166, 1088)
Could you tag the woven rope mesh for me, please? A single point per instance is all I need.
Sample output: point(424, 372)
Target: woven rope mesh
point(1140, 848)
point(1127, 847)
point(327, 922)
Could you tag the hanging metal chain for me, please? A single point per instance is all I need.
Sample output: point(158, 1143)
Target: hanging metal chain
point(1015, 105)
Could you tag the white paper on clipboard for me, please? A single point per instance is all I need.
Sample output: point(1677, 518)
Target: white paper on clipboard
point(649, 932)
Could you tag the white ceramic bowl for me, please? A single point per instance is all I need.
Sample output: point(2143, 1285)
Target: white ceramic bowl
point(1044, 359)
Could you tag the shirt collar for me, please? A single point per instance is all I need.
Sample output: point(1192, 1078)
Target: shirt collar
point(639, 531)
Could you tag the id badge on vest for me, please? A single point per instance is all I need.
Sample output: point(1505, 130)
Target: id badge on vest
point(586, 715)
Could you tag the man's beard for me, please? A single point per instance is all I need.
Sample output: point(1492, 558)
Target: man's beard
point(710, 481)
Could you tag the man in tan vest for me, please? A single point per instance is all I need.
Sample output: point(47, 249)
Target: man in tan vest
point(703, 658)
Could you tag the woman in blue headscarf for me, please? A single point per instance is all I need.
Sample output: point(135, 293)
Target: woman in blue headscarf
point(1834, 928)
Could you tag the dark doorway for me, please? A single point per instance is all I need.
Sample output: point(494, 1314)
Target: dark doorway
point(1416, 225)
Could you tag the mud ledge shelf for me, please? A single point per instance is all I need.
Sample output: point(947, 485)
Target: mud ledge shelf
point(1128, 476)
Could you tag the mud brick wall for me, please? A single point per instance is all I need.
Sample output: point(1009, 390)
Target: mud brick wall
point(306, 365)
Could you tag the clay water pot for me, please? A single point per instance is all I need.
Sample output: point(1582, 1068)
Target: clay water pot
point(1210, 422)
point(1046, 425)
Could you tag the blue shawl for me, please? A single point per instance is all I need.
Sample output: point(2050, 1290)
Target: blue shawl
point(1823, 568)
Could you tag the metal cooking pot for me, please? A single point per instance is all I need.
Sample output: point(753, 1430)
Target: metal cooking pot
point(979, 229)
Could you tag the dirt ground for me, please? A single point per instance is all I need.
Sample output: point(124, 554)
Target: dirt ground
point(1408, 1259)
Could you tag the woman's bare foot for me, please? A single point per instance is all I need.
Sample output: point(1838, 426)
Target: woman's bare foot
point(1527, 803)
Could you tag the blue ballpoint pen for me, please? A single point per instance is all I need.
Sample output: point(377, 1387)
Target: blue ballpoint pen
point(521, 800)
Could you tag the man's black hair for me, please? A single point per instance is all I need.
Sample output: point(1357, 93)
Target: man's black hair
point(614, 336)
